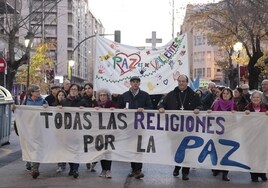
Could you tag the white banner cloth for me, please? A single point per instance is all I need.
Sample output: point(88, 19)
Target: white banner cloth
point(157, 68)
point(219, 140)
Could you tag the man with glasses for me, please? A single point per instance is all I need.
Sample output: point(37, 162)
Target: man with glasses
point(138, 99)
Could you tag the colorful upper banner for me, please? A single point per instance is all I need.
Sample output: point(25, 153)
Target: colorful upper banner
point(217, 140)
point(157, 68)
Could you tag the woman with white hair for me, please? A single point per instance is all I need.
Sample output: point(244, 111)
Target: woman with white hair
point(256, 105)
point(105, 101)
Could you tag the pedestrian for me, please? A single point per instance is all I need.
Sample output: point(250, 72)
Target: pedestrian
point(66, 86)
point(224, 103)
point(104, 101)
point(181, 98)
point(209, 96)
point(89, 100)
point(135, 98)
point(256, 105)
point(73, 100)
point(239, 101)
point(22, 97)
point(245, 94)
point(264, 86)
point(53, 92)
point(34, 98)
point(60, 96)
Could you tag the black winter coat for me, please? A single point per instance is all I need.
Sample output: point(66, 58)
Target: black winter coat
point(141, 100)
point(172, 101)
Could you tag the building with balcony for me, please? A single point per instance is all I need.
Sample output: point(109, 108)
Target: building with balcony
point(65, 24)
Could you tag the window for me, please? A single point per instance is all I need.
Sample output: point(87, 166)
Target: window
point(70, 30)
point(70, 43)
point(51, 30)
point(70, 18)
point(209, 55)
point(208, 72)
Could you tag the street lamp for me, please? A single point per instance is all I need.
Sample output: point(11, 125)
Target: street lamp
point(237, 48)
point(28, 41)
point(70, 69)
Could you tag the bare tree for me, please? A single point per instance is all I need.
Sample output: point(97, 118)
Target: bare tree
point(14, 21)
point(245, 21)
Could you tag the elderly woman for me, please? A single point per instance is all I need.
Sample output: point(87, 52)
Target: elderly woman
point(256, 105)
point(34, 98)
point(104, 100)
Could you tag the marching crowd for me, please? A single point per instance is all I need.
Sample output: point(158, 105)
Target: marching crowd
point(212, 98)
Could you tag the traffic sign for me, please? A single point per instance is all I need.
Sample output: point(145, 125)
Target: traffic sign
point(3, 64)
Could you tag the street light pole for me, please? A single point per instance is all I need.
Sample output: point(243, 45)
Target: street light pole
point(28, 44)
point(71, 62)
point(237, 48)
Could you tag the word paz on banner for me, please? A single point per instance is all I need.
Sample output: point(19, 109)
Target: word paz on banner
point(209, 149)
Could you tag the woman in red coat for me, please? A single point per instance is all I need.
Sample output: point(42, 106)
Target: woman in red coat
point(256, 105)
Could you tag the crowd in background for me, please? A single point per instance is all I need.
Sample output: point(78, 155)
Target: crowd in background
point(210, 98)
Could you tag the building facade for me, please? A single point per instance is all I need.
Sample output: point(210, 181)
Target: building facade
point(202, 56)
point(65, 24)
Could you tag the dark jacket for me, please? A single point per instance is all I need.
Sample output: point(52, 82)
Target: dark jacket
point(88, 102)
point(172, 102)
point(72, 102)
point(141, 100)
point(51, 100)
point(208, 100)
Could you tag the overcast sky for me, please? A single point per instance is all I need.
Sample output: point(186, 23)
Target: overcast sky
point(138, 18)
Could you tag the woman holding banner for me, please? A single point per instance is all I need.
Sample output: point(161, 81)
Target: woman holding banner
point(104, 101)
point(73, 100)
point(89, 101)
point(34, 98)
point(224, 103)
point(256, 105)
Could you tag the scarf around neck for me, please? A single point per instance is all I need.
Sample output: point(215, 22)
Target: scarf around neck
point(223, 105)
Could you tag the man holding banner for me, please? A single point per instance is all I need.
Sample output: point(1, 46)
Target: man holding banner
point(140, 100)
point(181, 98)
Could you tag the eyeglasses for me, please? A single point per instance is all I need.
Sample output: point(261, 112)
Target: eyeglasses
point(103, 94)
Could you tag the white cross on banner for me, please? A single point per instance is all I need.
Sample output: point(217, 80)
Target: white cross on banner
point(158, 69)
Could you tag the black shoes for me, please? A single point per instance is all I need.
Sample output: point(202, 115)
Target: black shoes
point(215, 172)
point(185, 177)
point(176, 171)
point(225, 177)
point(75, 174)
point(264, 177)
point(35, 174)
point(137, 174)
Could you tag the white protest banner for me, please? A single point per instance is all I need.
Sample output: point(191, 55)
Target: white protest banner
point(217, 140)
point(158, 68)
